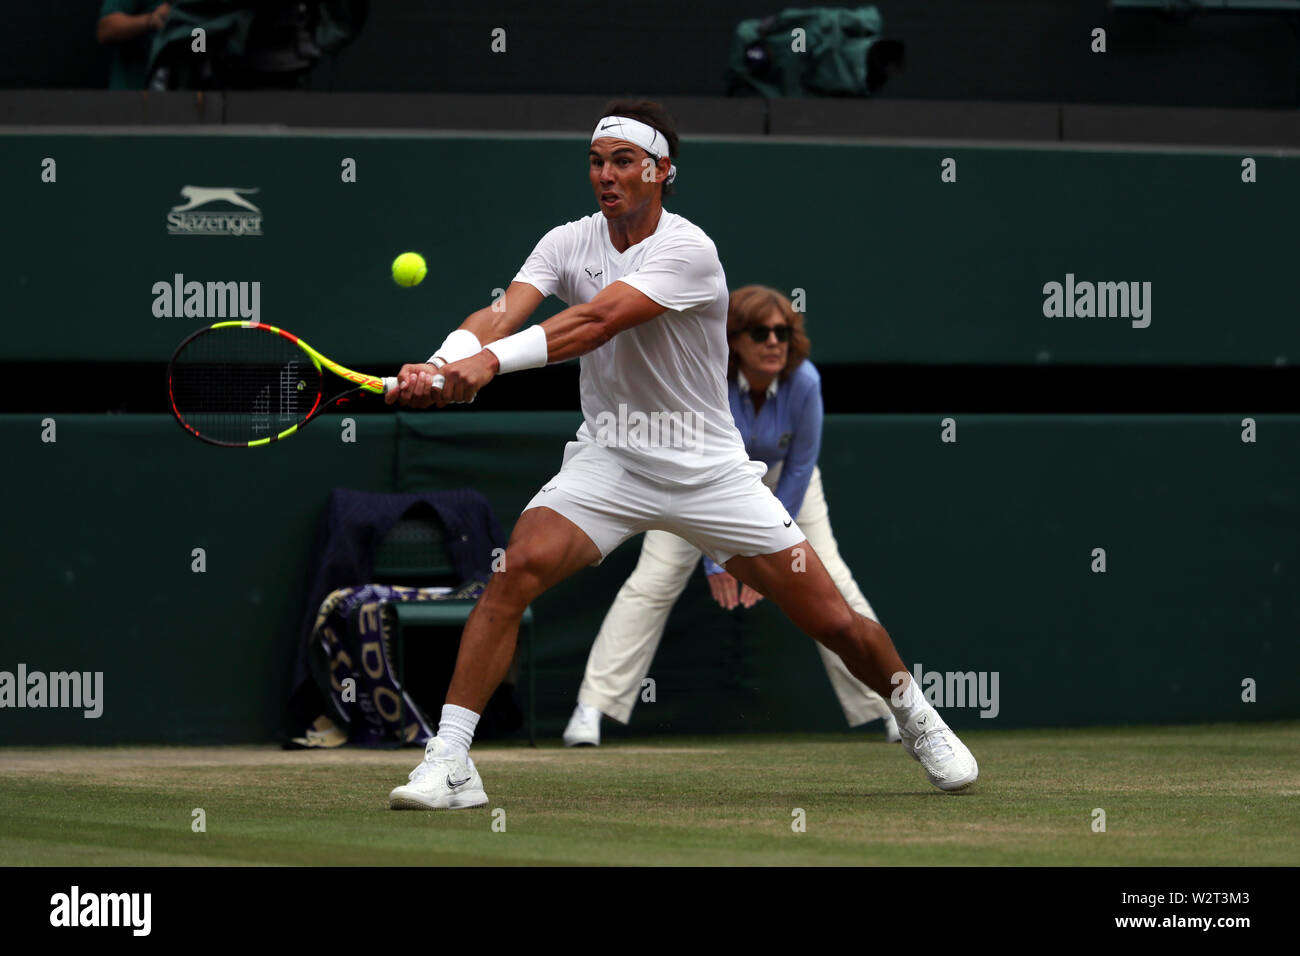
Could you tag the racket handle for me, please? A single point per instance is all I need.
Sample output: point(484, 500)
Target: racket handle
point(390, 383)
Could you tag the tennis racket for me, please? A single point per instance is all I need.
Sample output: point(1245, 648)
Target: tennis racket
point(244, 384)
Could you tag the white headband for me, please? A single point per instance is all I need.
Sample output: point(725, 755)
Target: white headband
point(634, 131)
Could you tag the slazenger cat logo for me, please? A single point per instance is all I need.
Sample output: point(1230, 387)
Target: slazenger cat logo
point(187, 219)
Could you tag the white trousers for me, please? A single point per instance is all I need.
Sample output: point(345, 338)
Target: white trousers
point(621, 656)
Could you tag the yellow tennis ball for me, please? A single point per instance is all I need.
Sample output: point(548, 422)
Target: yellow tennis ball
point(409, 269)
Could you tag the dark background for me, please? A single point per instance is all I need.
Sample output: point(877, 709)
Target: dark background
point(1115, 166)
point(991, 50)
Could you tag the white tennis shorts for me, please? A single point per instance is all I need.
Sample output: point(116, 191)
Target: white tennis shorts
point(734, 515)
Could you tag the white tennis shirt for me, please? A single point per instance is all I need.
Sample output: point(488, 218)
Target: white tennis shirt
point(654, 395)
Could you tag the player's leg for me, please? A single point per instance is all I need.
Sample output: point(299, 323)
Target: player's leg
point(629, 636)
point(860, 704)
point(735, 516)
point(796, 580)
point(858, 701)
point(584, 512)
point(544, 549)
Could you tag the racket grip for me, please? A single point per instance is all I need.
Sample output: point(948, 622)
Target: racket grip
point(439, 382)
point(390, 384)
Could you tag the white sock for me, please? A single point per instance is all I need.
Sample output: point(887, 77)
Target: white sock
point(913, 701)
point(456, 728)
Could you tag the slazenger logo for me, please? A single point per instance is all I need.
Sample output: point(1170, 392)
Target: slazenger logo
point(245, 220)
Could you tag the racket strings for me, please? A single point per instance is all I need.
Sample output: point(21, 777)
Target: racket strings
point(237, 385)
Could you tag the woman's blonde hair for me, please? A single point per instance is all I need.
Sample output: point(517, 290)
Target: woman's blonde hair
point(751, 305)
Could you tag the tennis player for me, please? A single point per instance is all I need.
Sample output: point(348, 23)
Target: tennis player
point(657, 449)
point(776, 403)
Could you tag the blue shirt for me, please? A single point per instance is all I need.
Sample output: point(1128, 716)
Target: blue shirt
point(786, 431)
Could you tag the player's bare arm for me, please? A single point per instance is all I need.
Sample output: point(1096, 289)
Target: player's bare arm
point(505, 316)
point(489, 324)
point(568, 334)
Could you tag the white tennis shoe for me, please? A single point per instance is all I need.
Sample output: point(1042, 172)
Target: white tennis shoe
point(442, 781)
point(947, 762)
point(584, 727)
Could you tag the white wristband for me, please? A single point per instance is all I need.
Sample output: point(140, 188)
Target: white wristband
point(526, 349)
point(459, 345)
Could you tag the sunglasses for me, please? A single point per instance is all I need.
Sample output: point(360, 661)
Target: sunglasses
point(759, 333)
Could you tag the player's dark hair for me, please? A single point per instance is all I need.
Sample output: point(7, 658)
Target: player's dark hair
point(753, 305)
point(652, 114)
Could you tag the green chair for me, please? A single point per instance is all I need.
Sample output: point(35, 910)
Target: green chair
point(414, 553)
